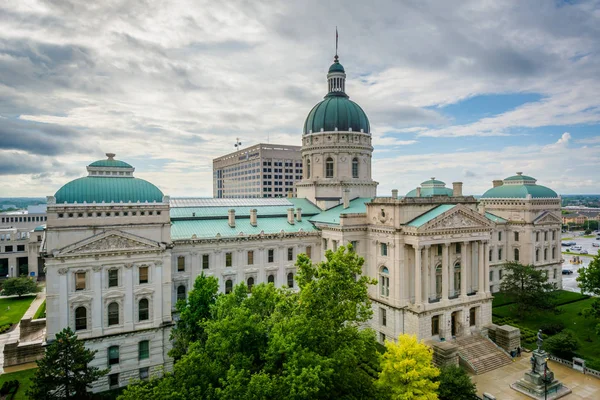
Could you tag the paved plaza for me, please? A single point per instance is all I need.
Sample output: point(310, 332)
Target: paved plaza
point(497, 382)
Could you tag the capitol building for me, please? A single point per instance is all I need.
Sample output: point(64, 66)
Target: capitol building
point(119, 252)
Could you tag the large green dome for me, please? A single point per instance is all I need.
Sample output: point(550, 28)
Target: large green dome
point(519, 187)
point(98, 189)
point(337, 112)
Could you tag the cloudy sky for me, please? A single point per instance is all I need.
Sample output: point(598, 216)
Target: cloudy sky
point(457, 90)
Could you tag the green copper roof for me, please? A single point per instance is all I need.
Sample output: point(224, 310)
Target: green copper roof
point(520, 178)
point(431, 214)
point(494, 218)
point(336, 111)
point(110, 163)
point(97, 189)
point(332, 216)
point(519, 192)
point(433, 182)
point(40, 228)
point(336, 67)
point(209, 228)
point(431, 191)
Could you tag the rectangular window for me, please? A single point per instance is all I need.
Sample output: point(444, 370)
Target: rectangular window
point(271, 255)
point(80, 281)
point(113, 381)
point(113, 355)
point(180, 263)
point(205, 264)
point(250, 257)
point(324, 245)
point(439, 250)
point(144, 350)
point(228, 259)
point(20, 247)
point(554, 273)
point(472, 320)
point(143, 275)
point(500, 274)
point(383, 314)
point(8, 249)
point(457, 248)
point(382, 337)
point(113, 277)
point(491, 276)
point(335, 245)
point(491, 253)
point(144, 373)
point(537, 236)
point(553, 235)
point(500, 254)
point(309, 251)
point(354, 244)
point(290, 253)
point(384, 249)
point(435, 325)
point(516, 236)
point(545, 235)
point(553, 253)
point(499, 236)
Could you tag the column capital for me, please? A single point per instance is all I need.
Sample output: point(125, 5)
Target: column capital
point(427, 246)
point(417, 246)
point(466, 242)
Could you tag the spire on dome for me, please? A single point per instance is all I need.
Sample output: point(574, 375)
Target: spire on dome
point(336, 77)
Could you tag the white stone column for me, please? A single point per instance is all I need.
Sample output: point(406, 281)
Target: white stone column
point(418, 271)
point(128, 299)
point(195, 267)
point(445, 257)
point(432, 277)
point(464, 267)
point(486, 266)
point(426, 270)
point(97, 315)
point(480, 269)
point(63, 296)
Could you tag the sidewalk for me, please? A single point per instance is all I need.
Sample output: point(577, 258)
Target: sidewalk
point(16, 333)
point(497, 382)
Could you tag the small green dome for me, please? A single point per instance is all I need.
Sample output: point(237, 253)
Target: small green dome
point(336, 111)
point(110, 163)
point(336, 67)
point(519, 187)
point(430, 188)
point(98, 189)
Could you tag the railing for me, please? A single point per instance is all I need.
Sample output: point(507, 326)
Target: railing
point(465, 359)
point(561, 361)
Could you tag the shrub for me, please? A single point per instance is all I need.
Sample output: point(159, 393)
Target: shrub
point(552, 328)
point(563, 344)
point(5, 327)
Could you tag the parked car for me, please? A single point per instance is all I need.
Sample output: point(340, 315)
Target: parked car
point(595, 245)
point(576, 248)
point(566, 244)
point(567, 271)
point(583, 251)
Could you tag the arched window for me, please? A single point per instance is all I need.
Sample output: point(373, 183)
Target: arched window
point(329, 168)
point(384, 281)
point(355, 167)
point(113, 314)
point(516, 254)
point(308, 168)
point(228, 286)
point(180, 292)
point(271, 279)
point(457, 278)
point(143, 310)
point(250, 283)
point(80, 318)
point(438, 282)
point(290, 280)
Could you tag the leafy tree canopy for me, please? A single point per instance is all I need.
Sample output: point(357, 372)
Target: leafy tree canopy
point(589, 277)
point(528, 286)
point(563, 344)
point(64, 372)
point(277, 343)
point(407, 370)
point(19, 286)
point(455, 384)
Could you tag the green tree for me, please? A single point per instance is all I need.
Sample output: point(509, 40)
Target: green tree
point(589, 282)
point(279, 343)
point(563, 344)
point(64, 372)
point(407, 370)
point(192, 313)
point(19, 286)
point(455, 384)
point(528, 287)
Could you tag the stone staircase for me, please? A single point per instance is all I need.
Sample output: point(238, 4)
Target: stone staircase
point(480, 355)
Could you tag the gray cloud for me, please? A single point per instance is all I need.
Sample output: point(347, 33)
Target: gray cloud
point(41, 139)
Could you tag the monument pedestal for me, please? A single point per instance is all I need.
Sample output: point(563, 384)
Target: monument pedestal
point(539, 383)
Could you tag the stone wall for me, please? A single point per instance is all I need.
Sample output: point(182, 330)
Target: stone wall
point(506, 337)
point(30, 327)
point(444, 353)
point(16, 353)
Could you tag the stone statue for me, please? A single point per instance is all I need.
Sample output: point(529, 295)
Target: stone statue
point(540, 340)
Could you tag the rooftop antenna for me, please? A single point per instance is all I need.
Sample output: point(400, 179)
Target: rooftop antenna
point(336, 45)
point(237, 144)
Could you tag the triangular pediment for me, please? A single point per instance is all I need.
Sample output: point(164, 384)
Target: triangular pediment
point(547, 218)
point(113, 241)
point(458, 217)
